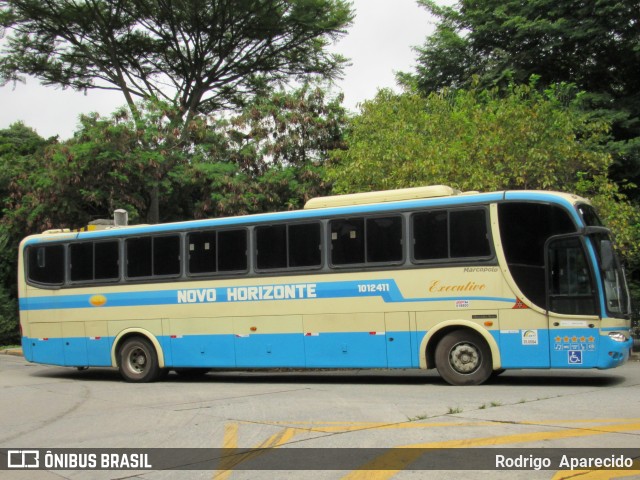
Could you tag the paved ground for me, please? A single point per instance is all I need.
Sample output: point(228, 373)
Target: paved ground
point(53, 407)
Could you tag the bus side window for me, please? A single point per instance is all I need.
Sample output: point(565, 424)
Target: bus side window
point(147, 256)
point(430, 234)
point(468, 234)
point(232, 250)
point(271, 247)
point(46, 264)
point(347, 241)
point(166, 255)
point(81, 261)
point(384, 239)
point(202, 252)
point(139, 257)
point(444, 234)
point(94, 261)
point(107, 260)
point(304, 245)
point(288, 246)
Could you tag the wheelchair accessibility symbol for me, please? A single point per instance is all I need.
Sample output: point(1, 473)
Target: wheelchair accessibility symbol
point(575, 357)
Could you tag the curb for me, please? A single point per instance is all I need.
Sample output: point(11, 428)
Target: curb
point(16, 352)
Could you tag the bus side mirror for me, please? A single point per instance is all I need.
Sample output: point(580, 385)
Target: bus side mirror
point(606, 255)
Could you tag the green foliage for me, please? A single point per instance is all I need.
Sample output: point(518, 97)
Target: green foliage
point(593, 45)
point(18, 145)
point(483, 140)
point(9, 333)
point(198, 57)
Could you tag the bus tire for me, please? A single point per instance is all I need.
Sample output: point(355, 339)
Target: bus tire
point(463, 358)
point(138, 360)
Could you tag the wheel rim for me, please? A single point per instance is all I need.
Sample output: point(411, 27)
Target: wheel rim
point(137, 360)
point(465, 358)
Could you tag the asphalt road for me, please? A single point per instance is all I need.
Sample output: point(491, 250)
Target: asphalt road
point(44, 407)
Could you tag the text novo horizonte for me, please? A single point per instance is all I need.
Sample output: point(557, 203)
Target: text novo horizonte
point(249, 294)
point(271, 292)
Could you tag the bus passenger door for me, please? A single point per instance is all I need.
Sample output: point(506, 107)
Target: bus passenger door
point(572, 304)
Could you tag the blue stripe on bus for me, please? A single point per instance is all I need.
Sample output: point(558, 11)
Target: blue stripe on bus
point(324, 350)
point(386, 289)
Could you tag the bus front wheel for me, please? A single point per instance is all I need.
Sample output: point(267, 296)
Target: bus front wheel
point(463, 358)
point(138, 360)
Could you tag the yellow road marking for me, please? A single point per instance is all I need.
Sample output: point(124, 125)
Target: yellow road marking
point(386, 466)
point(229, 442)
point(400, 458)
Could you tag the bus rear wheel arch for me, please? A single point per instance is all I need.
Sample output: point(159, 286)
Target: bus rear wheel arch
point(463, 357)
point(138, 360)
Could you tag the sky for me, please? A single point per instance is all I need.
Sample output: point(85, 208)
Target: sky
point(379, 43)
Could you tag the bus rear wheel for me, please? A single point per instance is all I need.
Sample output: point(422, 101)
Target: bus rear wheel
point(463, 358)
point(138, 360)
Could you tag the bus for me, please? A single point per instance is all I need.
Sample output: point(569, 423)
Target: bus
point(471, 284)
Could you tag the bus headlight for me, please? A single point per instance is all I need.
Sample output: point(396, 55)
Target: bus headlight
point(617, 336)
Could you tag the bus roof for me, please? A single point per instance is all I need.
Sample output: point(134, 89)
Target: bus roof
point(381, 196)
point(352, 204)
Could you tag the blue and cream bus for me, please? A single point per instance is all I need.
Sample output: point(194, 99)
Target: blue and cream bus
point(469, 283)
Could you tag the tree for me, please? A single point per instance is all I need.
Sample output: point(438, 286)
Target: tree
point(200, 56)
point(267, 157)
point(483, 140)
point(592, 44)
point(18, 144)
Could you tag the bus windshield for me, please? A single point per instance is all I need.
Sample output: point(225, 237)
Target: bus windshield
point(617, 297)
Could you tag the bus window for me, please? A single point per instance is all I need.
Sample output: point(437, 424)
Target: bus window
point(347, 241)
point(148, 256)
point(455, 234)
point(271, 247)
point(468, 231)
point(202, 252)
point(107, 260)
point(94, 261)
point(288, 246)
point(524, 230)
point(46, 264)
point(81, 261)
point(232, 251)
point(304, 245)
point(166, 255)
point(430, 235)
point(217, 251)
point(379, 237)
point(139, 257)
point(384, 239)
